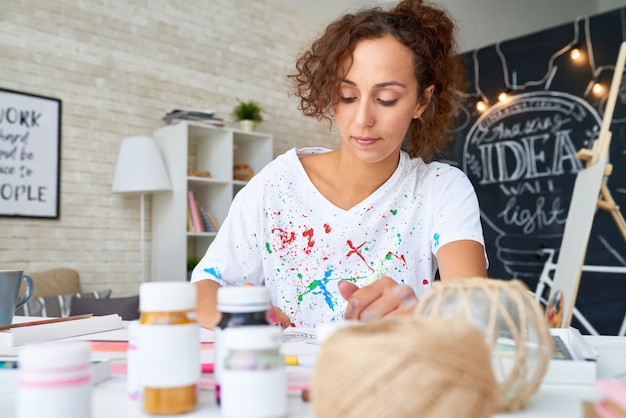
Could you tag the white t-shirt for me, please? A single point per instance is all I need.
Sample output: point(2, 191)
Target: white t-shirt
point(282, 233)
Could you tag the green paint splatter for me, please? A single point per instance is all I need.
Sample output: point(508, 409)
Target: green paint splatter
point(394, 212)
point(268, 248)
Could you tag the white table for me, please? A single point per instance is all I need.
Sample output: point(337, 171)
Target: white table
point(552, 401)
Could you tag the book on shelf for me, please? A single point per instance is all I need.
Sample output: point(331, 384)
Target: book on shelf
point(208, 226)
point(199, 217)
point(190, 227)
point(195, 213)
point(211, 224)
point(25, 330)
point(101, 370)
point(202, 116)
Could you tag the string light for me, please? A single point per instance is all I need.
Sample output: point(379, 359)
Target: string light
point(575, 54)
point(597, 88)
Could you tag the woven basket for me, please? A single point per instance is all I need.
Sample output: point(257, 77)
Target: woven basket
point(242, 172)
point(512, 323)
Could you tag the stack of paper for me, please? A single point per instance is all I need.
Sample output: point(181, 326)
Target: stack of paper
point(21, 333)
point(573, 361)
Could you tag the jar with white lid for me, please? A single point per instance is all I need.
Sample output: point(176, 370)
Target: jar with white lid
point(238, 306)
point(254, 382)
point(54, 380)
point(168, 344)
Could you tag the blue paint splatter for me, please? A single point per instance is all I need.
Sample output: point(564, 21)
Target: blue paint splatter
point(436, 238)
point(216, 274)
point(321, 284)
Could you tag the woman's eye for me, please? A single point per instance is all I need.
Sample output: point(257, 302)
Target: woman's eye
point(388, 102)
point(347, 99)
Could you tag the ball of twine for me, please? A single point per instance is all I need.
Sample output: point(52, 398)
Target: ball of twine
point(512, 324)
point(405, 367)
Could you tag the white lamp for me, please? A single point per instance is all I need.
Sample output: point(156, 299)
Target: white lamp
point(140, 169)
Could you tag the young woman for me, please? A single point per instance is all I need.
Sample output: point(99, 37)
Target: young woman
point(358, 232)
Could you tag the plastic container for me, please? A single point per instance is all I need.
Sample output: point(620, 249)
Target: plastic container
point(54, 381)
point(168, 348)
point(239, 306)
point(254, 383)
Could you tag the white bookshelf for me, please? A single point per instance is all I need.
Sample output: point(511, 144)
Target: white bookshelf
point(190, 145)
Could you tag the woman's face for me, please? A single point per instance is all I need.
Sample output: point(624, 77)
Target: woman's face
point(378, 100)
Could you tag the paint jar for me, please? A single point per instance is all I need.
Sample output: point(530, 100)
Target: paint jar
point(54, 380)
point(168, 347)
point(239, 306)
point(254, 382)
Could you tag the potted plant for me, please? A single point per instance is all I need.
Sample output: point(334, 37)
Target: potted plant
point(248, 114)
point(192, 260)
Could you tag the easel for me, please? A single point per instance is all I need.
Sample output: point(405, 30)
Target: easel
point(591, 180)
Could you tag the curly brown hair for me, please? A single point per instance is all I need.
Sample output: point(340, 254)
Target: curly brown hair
point(426, 30)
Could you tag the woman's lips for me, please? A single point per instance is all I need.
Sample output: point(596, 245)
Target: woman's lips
point(364, 140)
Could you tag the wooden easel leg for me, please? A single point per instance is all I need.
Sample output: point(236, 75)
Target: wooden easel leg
point(608, 203)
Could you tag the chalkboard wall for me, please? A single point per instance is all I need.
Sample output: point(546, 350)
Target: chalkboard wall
point(520, 153)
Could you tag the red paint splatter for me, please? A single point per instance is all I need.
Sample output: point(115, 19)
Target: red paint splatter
point(309, 234)
point(424, 282)
point(398, 257)
point(356, 251)
point(284, 236)
point(327, 228)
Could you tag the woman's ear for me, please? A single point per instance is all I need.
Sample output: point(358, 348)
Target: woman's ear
point(424, 101)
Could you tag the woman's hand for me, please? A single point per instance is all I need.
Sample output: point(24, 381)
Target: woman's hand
point(278, 317)
point(383, 298)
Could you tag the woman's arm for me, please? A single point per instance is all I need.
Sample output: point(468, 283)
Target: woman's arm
point(461, 259)
point(456, 260)
point(206, 303)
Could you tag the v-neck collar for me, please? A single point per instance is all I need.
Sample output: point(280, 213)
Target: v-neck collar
point(365, 203)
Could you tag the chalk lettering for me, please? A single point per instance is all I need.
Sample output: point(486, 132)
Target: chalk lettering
point(531, 187)
point(525, 159)
point(534, 218)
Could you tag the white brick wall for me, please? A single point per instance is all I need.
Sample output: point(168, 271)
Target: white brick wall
point(118, 66)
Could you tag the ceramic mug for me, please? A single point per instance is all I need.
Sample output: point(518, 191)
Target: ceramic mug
point(10, 284)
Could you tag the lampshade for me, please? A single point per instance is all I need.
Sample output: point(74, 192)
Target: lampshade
point(140, 167)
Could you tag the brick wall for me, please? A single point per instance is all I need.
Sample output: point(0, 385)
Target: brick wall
point(118, 66)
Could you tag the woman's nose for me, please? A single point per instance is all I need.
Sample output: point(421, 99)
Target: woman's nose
point(365, 114)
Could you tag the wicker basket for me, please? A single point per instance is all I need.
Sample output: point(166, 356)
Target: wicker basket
point(242, 172)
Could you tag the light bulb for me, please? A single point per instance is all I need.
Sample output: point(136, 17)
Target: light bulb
point(574, 53)
point(597, 88)
point(503, 96)
point(481, 106)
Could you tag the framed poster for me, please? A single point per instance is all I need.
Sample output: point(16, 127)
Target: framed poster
point(30, 145)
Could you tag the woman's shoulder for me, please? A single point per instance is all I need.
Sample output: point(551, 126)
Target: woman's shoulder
point(288, 163)
point(434, 168)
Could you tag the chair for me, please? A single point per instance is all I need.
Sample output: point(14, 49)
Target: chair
point(126, 307)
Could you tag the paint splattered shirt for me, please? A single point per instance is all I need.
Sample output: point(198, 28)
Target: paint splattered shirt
point(281, 232)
